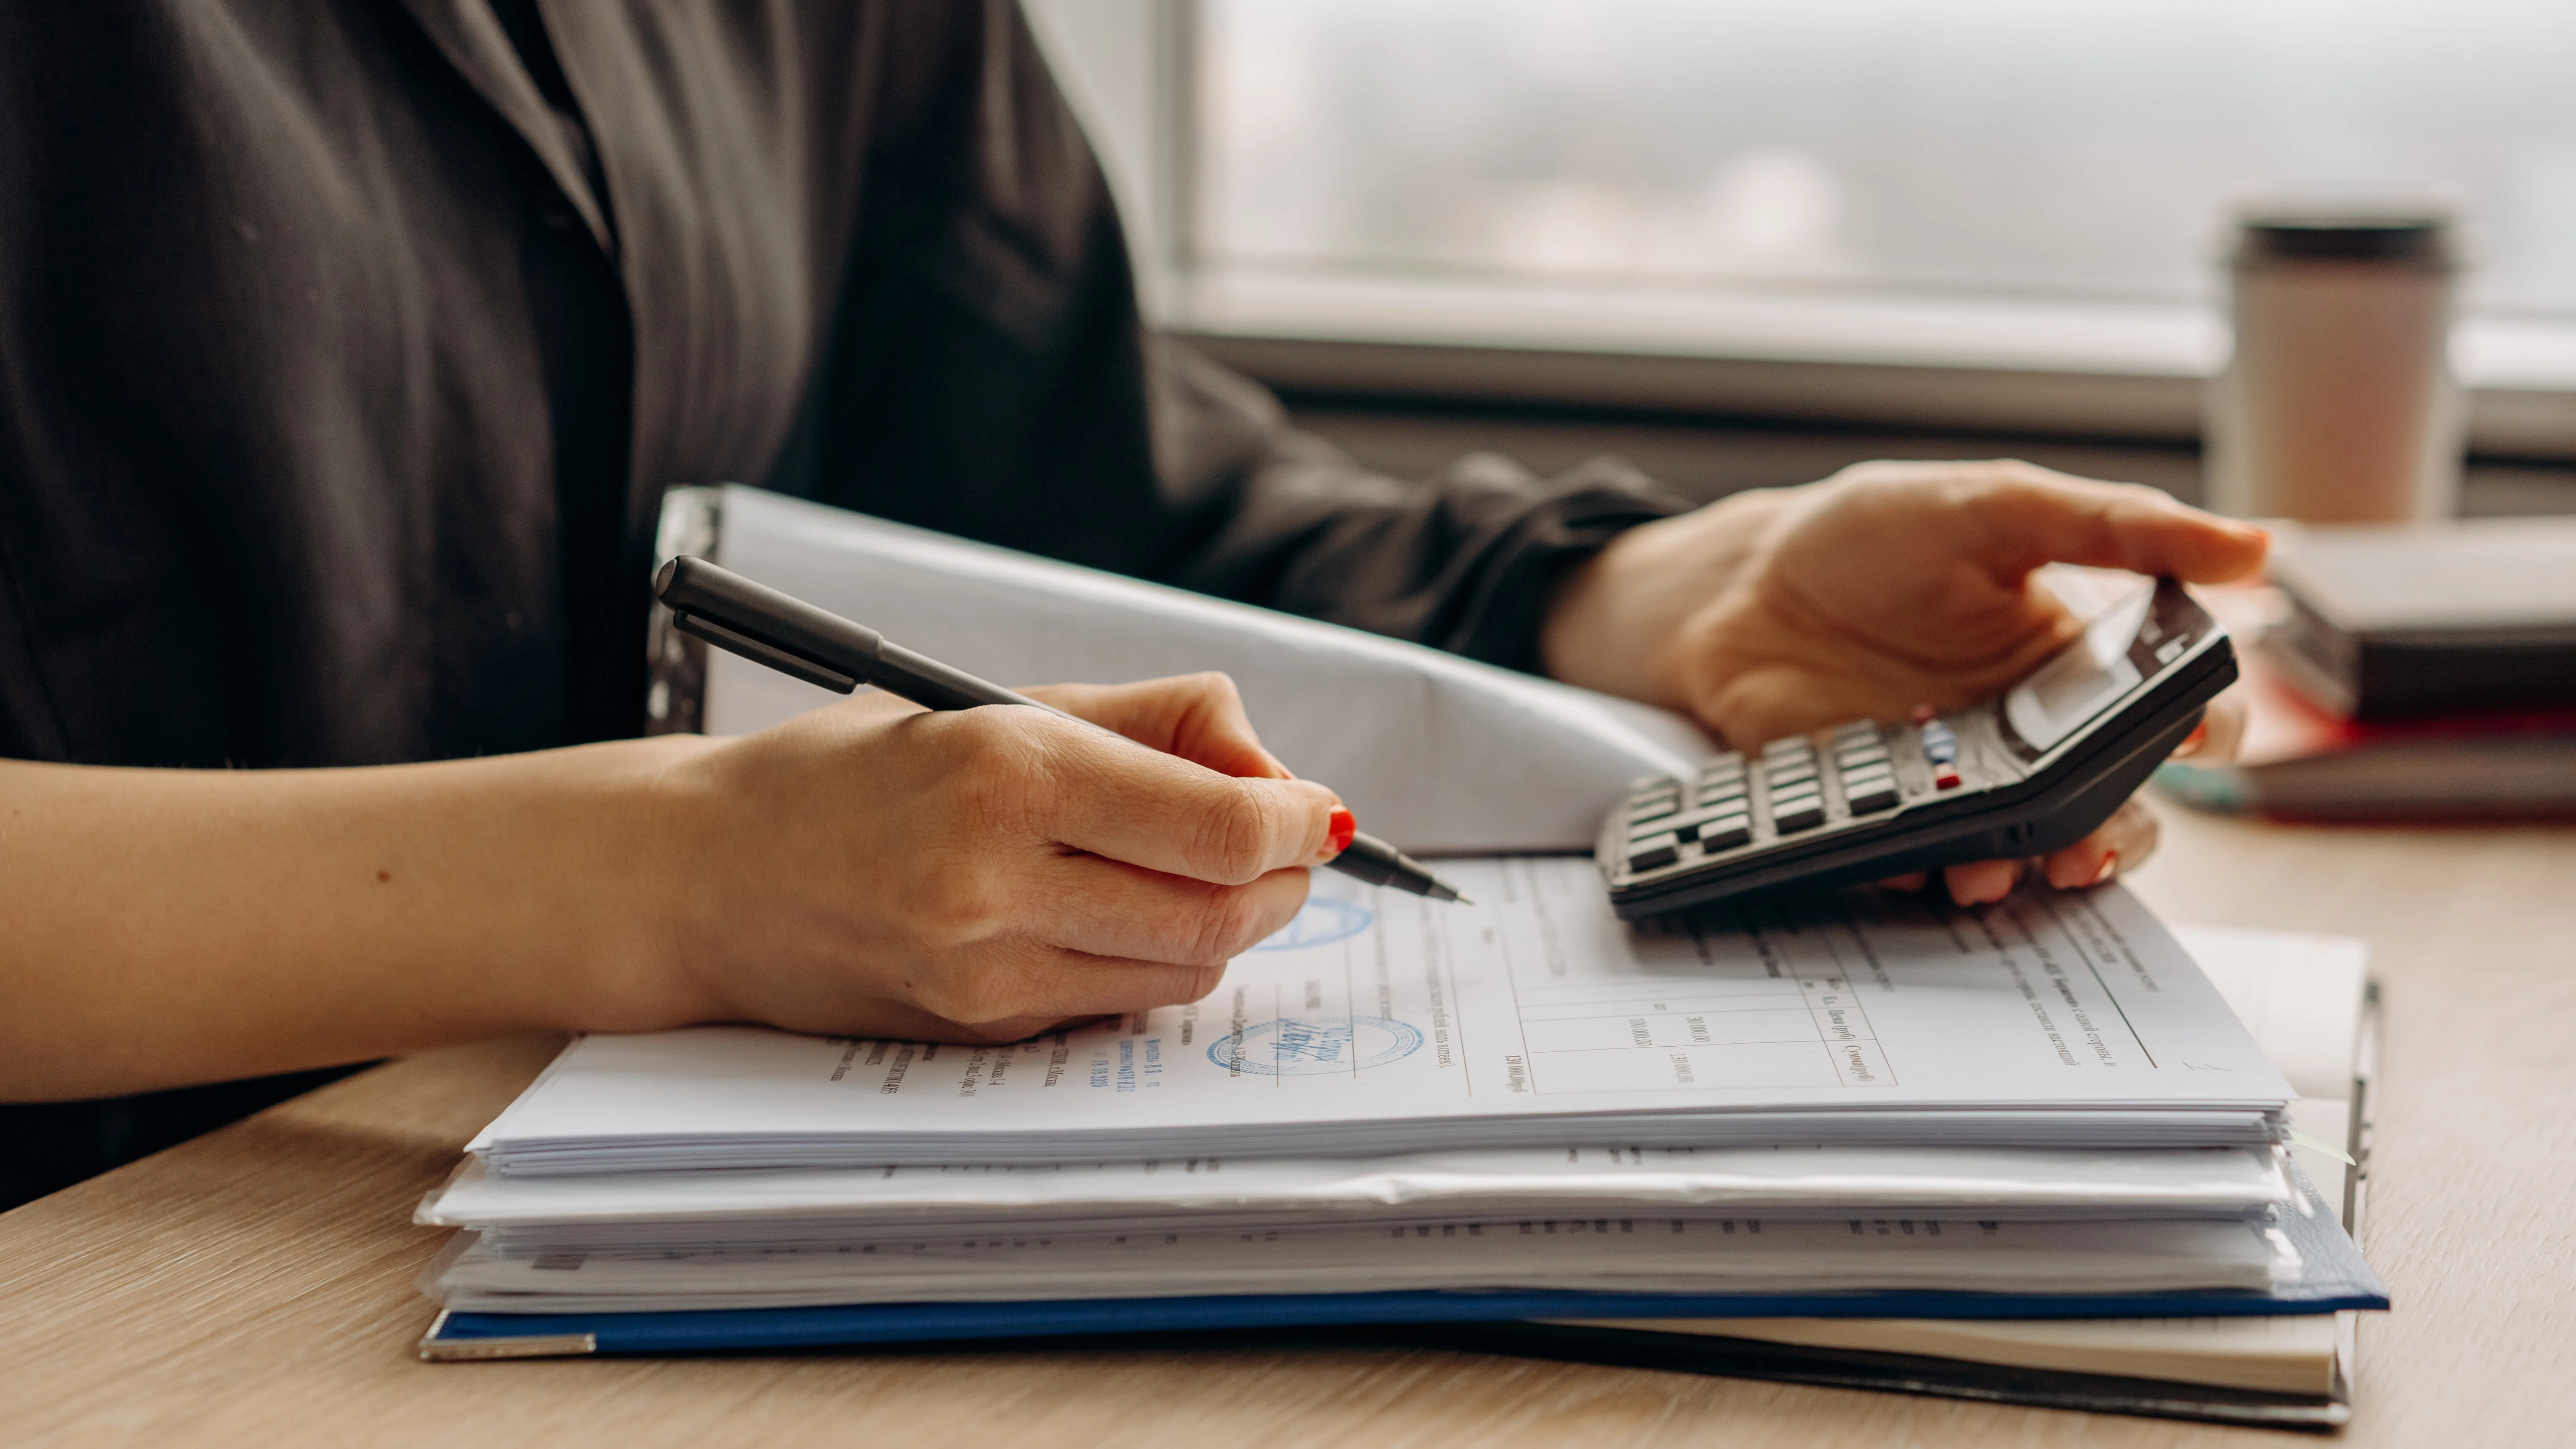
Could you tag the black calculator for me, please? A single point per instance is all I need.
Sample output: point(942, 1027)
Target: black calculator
point(2033, 771)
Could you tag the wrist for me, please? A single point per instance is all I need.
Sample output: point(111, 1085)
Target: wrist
point(652, 811)
point(1614, 624)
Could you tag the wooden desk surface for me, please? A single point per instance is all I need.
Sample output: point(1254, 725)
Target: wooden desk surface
point(254, 1286)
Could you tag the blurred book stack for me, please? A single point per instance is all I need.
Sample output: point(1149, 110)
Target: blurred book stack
point(2421, 673)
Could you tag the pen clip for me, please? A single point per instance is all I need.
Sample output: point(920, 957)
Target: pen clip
point(761, 651)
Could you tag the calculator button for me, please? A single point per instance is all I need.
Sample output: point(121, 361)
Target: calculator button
point(1781, 775)
point(1725, 834)
point(1870, 799)
point(1697, 824)
point(1945, 778)
point(1654, 853)
point(1789, 819)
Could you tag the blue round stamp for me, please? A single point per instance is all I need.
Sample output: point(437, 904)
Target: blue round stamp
point(1320, 922)
point(1314, 1046)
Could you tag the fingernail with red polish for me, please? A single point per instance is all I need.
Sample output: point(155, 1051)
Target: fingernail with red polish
point(2110, 868)
point(1344, 826)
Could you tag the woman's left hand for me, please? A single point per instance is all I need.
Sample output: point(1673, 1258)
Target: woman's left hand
point(1882, 589)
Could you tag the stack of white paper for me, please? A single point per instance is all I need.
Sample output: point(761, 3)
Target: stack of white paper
point(2045, 1092)
point(746, 1210)
point(1623, 1255)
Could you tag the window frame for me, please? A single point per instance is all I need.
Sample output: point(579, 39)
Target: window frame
point(2058, 366)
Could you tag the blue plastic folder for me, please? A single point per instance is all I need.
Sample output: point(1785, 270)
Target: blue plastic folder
point(2336, 1278)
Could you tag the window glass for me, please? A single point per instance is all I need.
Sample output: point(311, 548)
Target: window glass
point(2004, 146)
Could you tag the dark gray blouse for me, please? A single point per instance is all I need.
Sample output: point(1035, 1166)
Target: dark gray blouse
point(346, 347)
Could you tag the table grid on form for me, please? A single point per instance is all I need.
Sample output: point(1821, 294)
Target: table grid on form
point(1758, 999)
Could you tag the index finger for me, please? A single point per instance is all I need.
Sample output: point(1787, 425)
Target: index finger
point(2038, 517)
point(1198, 717)
point(1111, 796)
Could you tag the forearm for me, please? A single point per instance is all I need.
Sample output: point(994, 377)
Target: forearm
point(171, 926)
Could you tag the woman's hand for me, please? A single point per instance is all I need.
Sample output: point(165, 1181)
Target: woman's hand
point(986, 874)
point(867, 868)
point(1885, 587)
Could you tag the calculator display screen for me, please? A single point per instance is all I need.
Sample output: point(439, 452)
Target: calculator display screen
point(2131, 641)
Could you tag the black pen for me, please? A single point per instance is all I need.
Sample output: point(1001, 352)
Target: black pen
point(795, 638)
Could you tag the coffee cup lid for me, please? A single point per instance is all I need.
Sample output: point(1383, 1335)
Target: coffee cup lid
point(2420, 238)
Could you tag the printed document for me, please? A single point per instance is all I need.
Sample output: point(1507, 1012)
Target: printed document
point(1381, 1022)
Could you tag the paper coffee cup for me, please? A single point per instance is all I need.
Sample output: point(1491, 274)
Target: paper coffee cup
point(2338, 404)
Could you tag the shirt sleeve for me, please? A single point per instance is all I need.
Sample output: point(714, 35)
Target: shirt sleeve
point(1464, 560)
point(990, 375)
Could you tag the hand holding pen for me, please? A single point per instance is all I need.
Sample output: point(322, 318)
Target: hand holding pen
point(793, 637)
point(872, 869)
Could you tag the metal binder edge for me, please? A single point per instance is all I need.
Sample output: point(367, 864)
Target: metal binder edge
point(675, 689)
point(467, 1350)
point(2365, 1106)
point(2356, 1181)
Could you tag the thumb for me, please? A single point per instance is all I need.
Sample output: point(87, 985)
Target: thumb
point(2033, 516)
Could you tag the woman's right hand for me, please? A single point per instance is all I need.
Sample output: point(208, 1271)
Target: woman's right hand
point(872, 868)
